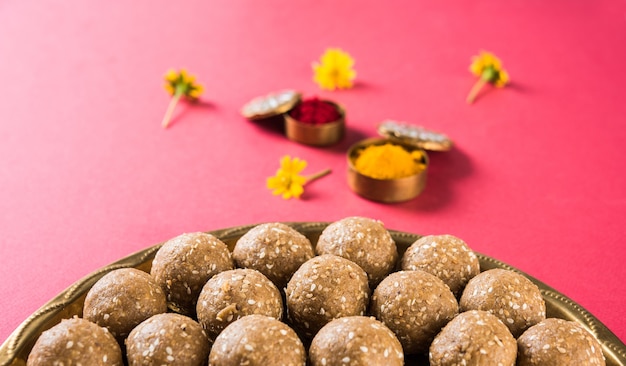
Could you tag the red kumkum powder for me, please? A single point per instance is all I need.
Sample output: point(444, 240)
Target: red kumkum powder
point(315, 111)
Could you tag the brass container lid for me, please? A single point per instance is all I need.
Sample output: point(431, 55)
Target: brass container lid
point(271, 105)
point(322, 134)
point(385, 190)
point(415, 135)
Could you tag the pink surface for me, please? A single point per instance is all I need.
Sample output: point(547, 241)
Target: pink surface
point(87, 175)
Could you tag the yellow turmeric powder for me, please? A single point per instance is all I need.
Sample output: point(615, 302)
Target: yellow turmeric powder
point(389, 161)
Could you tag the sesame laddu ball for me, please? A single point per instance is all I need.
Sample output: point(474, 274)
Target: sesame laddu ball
point(356, 340)
point(257, 340)
point(558, 342)
point(444, 256)
point(274, 249)
point(184, 264)
point(122, 299)
point(513, 298)
point(474, 338)
point(324, 288)
point(233, 294)
point(415, 305)
point(364, 241)
point(75, 341)
point(167, 339)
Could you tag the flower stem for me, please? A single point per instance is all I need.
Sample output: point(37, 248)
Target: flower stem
point(312, 177)
point(170, 109)
point(475, 90)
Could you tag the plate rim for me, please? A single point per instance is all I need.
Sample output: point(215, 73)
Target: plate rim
point(22, 336)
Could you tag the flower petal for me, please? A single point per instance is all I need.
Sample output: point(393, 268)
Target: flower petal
point(171, 76)
point(169, 88)
point(503, 79)
point(296, 190)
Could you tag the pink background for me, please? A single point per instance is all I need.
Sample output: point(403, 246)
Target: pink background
point(87, 175)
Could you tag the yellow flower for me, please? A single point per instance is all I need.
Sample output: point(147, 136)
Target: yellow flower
point(288, 182)
point(335, 70)
point(489, 69)
point(180, 84)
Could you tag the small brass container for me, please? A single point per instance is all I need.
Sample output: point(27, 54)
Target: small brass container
point(280, 104)
point(322, 134)
point(410, 138)
point(385, 190)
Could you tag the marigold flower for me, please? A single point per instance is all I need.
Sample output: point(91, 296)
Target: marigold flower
point(334, 71)
point(288, 182)
point(180, 84)
point(489, 69)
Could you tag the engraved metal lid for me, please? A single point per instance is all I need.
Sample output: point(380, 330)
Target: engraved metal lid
point(271, 105)
point(415, 135)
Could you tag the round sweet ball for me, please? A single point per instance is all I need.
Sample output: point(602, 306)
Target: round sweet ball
point(185, 263)
point(558, 342)
point(167, 339)
point(364, 241)
point(513, 298)
point(75, 341)
point(474, 338)
point(274, 249)
point(324, 288)
point(257, 340)
point(355, 340)
point(444, 256)
point(233, 294)
point(415, 305)
point(122, 299)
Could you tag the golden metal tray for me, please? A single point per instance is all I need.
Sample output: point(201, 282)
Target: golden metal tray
point(14, 351)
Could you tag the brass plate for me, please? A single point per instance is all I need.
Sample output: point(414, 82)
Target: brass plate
point(14, 351)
